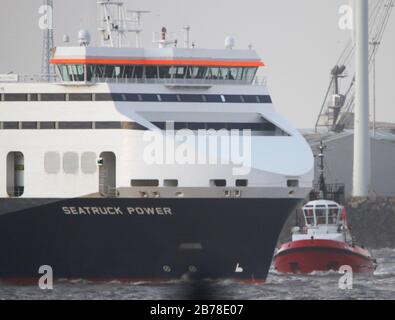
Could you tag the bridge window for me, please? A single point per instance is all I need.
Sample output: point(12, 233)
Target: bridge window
point(248, 74)
point(151, 72)
point(201, 72)
point(138, 72)
point(192, 72)
point(94, 71)
point(110, 71)
point(72, 72)
point(164, 72)
point(230, 73)
point(64, 73)
point(103, 72)
point(127, 72)
point(214, 73)
point(78, 72)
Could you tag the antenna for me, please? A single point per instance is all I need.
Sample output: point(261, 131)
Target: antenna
point(187, 29)
point(47, 70)
point(162, 38)
point(229, 42)
point(66, 38)
point(114, 24)
point(84, 38)
point(138, 26)
point(110, 27)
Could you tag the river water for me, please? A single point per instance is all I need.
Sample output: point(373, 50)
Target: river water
point(380, 285)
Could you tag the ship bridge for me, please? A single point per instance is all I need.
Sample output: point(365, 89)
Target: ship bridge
point(93, 64)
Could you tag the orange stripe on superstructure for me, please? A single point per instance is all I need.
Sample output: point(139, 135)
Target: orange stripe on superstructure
point(183, 62)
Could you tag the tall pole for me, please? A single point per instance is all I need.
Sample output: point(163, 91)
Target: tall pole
point(187, 28)
point(138, 28)
point(48, 43)
point(362, 160)
point(375, 44)
point(374, 96)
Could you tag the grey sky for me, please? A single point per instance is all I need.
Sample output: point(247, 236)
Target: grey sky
point(299, 40)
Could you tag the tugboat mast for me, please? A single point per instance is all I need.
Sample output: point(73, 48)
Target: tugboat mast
point(321, 179)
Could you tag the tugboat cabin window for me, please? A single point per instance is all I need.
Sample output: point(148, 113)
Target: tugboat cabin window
point(309, 216)
point(333, 215)
point(321, 215)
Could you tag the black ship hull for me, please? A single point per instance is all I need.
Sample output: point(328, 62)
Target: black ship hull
point(140, 239)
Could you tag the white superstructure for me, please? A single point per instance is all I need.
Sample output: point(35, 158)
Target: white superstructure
point(76, 109)
point(89, 131)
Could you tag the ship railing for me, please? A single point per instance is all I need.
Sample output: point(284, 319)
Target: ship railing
point(333, 191)
point(169, 81)
point(12, 78)
point(260, 81)
point(108, 191)
point(36, 78)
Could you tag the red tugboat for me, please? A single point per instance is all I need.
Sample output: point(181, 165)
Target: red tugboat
point(325, 242)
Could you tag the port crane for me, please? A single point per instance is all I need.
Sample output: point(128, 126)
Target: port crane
point(338, 105)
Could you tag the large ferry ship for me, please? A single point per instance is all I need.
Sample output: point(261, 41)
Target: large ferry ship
point(145, 164)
